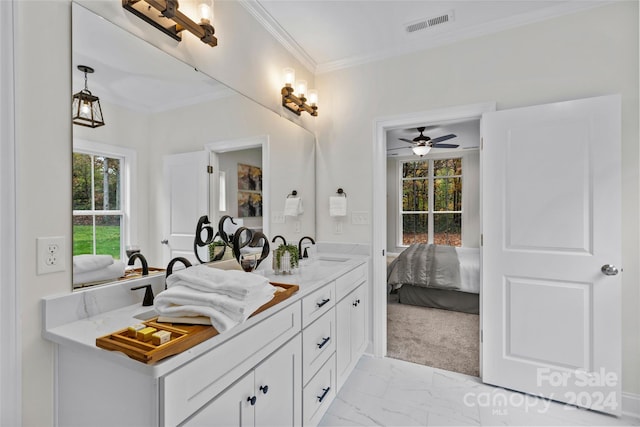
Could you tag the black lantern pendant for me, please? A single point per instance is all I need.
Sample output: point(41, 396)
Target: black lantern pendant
point(86, 107)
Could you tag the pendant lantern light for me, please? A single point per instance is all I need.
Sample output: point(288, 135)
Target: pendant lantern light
point(86, 107)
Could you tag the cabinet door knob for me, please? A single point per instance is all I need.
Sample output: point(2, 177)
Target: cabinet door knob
point(251, 400)
point(264, 389)
point(355, 304)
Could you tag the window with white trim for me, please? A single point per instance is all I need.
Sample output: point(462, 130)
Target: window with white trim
point(431, 202)
point(100, 189)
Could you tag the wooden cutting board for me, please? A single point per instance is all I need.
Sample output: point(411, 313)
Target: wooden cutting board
point(183, 336)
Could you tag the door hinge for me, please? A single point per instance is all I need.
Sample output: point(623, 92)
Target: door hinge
point(481, 143)
point(481, 239)
point(209, 169)
point(481, 335)
point(383, 252)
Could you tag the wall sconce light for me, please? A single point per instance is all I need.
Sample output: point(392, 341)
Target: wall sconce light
point(171, 21)
point(86, 109)
point(295, 100)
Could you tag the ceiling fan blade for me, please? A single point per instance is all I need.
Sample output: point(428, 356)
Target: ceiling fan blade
point(442, 138)
point(445, 145)
point(406, 140)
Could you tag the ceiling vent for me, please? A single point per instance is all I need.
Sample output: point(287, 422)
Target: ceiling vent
point(425, 23)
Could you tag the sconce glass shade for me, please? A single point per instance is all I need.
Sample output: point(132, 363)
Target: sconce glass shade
point(86, 110)
point(205, 11)
point(421, 150)
point(289, 75)
point(301, 88)
point(313, 97)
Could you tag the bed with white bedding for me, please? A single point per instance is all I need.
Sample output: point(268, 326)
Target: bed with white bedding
point(437, 276)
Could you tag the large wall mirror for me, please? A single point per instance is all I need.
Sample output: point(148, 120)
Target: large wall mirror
point(157, 109)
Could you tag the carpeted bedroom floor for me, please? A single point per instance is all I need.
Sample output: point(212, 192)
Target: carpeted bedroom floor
point(438, 338)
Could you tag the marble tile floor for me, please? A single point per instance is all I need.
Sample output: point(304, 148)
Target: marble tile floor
point(389, 392)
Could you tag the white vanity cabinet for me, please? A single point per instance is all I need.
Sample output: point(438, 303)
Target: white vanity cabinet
point(268, 395)
point(351, 318)
point(283, 367)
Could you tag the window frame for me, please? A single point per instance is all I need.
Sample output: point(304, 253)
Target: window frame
point(128, 158)
point(431, 198)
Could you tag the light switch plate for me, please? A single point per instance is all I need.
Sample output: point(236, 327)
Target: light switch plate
point(277, 217)
point(360, 218)
point(51, 254)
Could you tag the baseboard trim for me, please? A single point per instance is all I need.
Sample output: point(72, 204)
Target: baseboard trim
point(631, 405)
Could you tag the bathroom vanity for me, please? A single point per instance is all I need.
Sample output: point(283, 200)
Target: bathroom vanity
point(281, 367)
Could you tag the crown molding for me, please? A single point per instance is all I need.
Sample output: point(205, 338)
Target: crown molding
point(443, 39)
point(279, 33)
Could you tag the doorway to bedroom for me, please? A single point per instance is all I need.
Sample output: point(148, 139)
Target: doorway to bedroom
point(432, 313)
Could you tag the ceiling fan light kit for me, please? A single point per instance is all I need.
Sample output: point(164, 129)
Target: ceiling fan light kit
point(421, 150)
point(423, 144)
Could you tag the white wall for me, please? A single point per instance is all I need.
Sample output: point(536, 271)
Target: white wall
point(247, 58)
point(582, 55)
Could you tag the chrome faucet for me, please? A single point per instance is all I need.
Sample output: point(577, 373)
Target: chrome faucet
point(284, 241)
point(300, 255)
point(143, 260)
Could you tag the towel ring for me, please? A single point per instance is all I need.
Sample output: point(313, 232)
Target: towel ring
point(341, 191)
point(294, 193)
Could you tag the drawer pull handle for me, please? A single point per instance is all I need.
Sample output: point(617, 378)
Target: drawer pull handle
point(324, 394)
point(323, 302)
point(355, 304)
point(264, 389)
point(324, 342)
point(251, 400)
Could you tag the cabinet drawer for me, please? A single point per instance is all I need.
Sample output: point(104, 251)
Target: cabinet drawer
point(318, 343)
point(318, 303)
point(319, 393)
point(188, 388)
point(349, 281)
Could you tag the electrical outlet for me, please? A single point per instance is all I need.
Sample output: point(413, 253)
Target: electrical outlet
point(50, 254)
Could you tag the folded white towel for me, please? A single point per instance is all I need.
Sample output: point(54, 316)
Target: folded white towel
point(293, 206)
point(224, 311)
point(337, 206)
point(235, 283)
point(111, 272)
point(86, 263)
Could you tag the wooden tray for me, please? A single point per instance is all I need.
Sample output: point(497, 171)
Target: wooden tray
point(183, 336)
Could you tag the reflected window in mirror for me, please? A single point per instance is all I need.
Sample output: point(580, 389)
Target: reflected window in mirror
point(102, 188)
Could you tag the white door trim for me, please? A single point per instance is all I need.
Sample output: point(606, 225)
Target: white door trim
point(379, 209)
point(263, 141)
point(10, 343)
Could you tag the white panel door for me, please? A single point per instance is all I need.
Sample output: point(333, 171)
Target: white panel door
point(186, 200)
point(551, 212)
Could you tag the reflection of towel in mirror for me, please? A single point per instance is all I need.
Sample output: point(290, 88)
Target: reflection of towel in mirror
point(110, 272)
point(234, 283)
point(86, 263)
point(293, 206)
point(223, 310)
point(337, 206)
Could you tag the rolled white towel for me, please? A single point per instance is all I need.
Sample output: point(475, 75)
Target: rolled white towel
point(224, 311)
point(235, 283)
point(337, 206)
point(86, 263)
point(111, 272)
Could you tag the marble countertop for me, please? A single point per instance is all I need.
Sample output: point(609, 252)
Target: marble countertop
point(77, 319)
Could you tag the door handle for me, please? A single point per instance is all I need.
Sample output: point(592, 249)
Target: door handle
point(164, 242)
point(609, 270)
